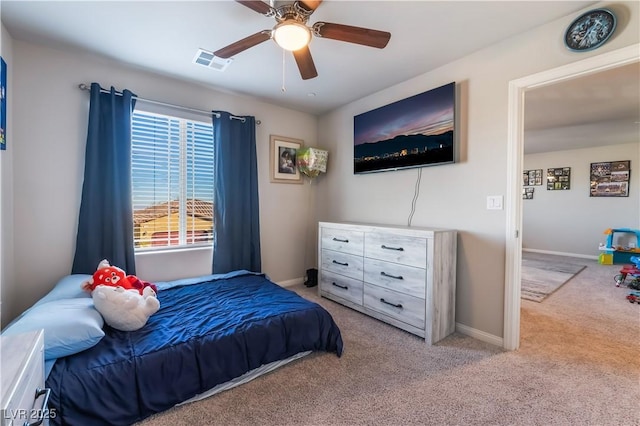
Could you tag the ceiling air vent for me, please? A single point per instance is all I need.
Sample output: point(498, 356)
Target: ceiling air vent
point(209, 60)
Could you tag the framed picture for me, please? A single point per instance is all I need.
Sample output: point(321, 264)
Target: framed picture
point(559, 178)
point(3, 105)
point(527, 193)
point(610, 179)
point(283, 159)
point(532, 177)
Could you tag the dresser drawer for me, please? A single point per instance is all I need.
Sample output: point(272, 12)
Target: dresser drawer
point(22, 364)
point(342, 263)
point(341, 286)
point(401, 278)
point(410, 251)
point(405, 308)
point(32, 405)
point(343, 240)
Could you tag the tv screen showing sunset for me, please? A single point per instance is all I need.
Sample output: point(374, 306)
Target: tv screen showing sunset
point(414, 132)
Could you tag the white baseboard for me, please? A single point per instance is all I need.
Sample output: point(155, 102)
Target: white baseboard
point(461, 328)
point(290, 283)
point(480, 335)
point(559, 253)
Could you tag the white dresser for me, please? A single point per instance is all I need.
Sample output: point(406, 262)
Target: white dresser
point(24, 396)
point(405, 276)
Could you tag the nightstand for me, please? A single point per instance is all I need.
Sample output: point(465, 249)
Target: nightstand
point(24, 397)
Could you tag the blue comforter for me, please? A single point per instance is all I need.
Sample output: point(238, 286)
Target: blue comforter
point(205, 333)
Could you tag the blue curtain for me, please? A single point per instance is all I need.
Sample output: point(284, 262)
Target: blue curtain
point(236, 224)
point(105, 223)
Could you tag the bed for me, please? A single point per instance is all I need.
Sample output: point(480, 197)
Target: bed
point(210, 333)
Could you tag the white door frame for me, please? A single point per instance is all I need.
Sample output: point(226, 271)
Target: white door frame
point(515, 149)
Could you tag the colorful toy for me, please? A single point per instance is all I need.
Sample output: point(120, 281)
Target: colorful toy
point(633, 271)
point(113, 276)
point(125, 310)
point(634, 297)
point(605, 259)
point(618, 254)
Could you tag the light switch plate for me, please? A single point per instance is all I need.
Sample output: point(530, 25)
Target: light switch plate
point(494, 202)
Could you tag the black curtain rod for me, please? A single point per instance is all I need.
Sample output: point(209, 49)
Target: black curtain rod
point(83, 86)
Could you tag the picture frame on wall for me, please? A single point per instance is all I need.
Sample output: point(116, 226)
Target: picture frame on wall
point(283, 159)
point(3, 104)
point(559, 178)
point(527, 193)
point(610, 179)
point(532, 177)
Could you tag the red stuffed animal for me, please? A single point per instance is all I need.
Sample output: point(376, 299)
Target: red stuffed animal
point(115, 277)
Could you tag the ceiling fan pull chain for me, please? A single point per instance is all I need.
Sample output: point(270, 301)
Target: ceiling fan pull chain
point(284, 89)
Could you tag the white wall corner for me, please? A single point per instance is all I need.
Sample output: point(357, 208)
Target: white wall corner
point(291, 283)
point(480, 335)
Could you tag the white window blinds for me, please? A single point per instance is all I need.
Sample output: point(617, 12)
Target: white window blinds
point(172, 181)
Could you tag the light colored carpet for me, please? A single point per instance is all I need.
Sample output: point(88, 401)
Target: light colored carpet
point(540, 278)
point(578, 364)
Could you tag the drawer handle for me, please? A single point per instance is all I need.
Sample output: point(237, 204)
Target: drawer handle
point(340, 241)
point(44, 411)
point(392, 248)
point(392, 304)
point(344, 287)
point(340, 263)
point(395, 277)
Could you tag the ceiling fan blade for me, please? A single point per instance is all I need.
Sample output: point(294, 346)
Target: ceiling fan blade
point(258, 6)
point(242, 45)
point(358, 35)
point(310, 5)
point(305, 63)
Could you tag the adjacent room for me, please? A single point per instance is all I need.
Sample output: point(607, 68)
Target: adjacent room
point(569, 290)
point(320, 212)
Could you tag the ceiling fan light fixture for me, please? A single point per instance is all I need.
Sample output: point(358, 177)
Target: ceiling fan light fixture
point(292, 35)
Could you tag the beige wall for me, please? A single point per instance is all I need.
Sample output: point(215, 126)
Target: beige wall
point(454, 196)
point(7, 290)
point(48, 142)
point(572, 222)
point(45, 175)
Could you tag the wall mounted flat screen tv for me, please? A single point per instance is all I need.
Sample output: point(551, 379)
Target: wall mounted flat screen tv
point(414, 132)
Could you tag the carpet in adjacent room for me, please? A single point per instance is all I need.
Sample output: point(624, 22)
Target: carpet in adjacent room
point(540, 278)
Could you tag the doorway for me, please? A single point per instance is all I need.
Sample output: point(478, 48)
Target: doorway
point(515, 152)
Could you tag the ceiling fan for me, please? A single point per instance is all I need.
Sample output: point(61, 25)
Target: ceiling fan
point(291, 33)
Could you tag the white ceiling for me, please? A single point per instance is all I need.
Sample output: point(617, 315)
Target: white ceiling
point(164, 36)
point(593, 110)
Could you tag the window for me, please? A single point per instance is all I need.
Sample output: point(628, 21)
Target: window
point(172, 181)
